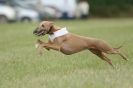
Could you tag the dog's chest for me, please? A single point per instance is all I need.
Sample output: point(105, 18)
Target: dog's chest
point(58, 33)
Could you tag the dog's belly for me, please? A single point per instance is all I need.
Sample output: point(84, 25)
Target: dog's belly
point(69, 49)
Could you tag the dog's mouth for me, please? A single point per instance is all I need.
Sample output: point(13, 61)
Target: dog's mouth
point(40, 33)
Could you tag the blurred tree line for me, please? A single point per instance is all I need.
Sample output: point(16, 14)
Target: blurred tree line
point(111, 8)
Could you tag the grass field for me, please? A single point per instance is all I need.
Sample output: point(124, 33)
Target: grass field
point(22, 67)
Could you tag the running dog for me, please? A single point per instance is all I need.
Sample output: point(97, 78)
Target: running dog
point(68, 43)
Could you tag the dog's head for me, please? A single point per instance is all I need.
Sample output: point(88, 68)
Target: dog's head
point(44, 27)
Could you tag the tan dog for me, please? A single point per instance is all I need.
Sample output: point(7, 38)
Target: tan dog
point(69, 43)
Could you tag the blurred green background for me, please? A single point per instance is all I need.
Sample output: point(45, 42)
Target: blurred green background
point(111, 8)
point(22, 67)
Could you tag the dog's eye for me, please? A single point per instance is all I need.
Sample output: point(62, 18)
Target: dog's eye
point(42, 25)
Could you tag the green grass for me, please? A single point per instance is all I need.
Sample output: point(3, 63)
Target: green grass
point(22, 67)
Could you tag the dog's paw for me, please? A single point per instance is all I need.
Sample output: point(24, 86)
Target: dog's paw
point(37, 45)
point(39, 49)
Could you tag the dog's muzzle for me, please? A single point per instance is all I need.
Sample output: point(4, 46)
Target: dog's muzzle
point(39, 32)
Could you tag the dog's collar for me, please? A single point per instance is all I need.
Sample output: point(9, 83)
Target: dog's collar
point(61, 32)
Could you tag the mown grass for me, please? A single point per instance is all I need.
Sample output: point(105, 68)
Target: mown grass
point(22, 67)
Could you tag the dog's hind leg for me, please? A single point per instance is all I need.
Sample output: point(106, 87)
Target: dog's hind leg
point(116, 51)
point(101, 55)
point(122, 55)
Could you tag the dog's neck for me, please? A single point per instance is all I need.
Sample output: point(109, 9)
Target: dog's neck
point(53, 29)
point(58, 33)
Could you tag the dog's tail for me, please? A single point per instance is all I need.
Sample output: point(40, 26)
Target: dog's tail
point(117, 48)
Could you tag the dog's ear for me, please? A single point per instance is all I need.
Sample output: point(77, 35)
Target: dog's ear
point(50, 24)
point(47, 26)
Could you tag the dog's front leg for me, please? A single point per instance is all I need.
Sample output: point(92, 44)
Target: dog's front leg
point(49, 42)
point(40, 43)
point(51, 46)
